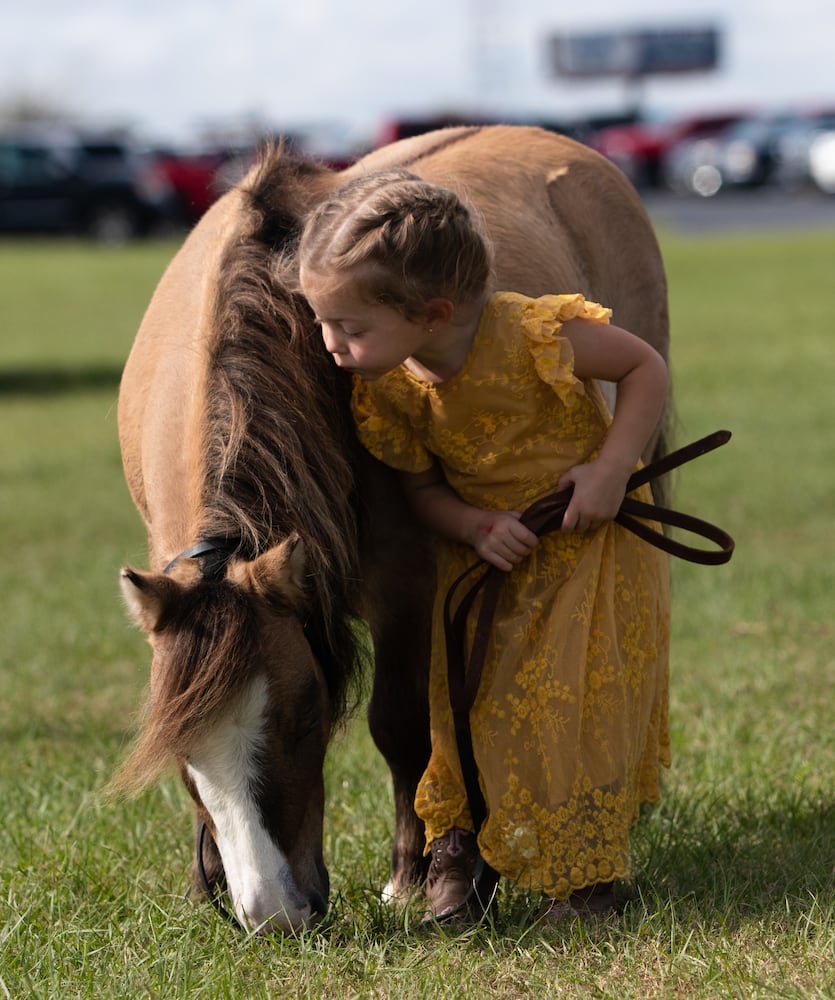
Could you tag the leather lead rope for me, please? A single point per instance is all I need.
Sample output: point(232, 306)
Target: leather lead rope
point(543, 516)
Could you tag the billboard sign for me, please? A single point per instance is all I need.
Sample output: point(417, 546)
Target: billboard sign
point(634, 53)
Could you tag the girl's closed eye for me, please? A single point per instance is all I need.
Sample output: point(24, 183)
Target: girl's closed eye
point(320, 323)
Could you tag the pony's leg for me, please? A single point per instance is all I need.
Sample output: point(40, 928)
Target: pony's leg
point(398, 719)
point(399, 584)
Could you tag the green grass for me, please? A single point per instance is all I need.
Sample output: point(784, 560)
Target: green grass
point(734, 890)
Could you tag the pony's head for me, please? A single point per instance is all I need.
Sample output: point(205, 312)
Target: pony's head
point(239, 700)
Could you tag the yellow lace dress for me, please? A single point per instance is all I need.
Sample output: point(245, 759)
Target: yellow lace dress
point(570, 724)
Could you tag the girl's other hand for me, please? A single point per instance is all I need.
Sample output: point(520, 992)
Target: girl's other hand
point(500, 539)
point(599, 489)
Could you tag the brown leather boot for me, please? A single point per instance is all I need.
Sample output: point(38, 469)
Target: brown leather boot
point(449, 884)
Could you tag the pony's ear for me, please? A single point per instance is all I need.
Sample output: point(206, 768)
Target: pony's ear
point(280, 571)
point(146, 596)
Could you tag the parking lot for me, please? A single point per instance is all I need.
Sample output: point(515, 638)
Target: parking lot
point(741, 211)
point(108, 188)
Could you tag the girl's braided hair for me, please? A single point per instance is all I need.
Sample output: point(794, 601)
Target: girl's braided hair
point(411, 240)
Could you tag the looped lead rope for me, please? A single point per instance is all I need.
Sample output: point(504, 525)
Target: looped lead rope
point(543, 516)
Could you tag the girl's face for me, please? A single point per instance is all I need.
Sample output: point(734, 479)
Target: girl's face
point(363, 337)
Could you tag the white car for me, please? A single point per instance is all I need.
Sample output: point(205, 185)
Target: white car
point(822, 161)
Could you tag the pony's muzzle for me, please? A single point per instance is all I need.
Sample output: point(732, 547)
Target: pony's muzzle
point(258, 908)
point(288, 920)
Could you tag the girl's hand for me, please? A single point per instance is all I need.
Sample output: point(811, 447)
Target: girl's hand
point(500, 539)
point(599, 489)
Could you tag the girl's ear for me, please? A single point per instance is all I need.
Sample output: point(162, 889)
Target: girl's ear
point(439, 311)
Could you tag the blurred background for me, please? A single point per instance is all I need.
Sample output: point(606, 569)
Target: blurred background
point(122, 119)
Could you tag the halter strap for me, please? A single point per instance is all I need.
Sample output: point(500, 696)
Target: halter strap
point(208, 546)
point(214, 892)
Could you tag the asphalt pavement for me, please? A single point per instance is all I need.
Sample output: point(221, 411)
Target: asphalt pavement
point(741, 211)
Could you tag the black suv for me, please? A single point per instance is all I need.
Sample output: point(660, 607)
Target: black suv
point(61, 181)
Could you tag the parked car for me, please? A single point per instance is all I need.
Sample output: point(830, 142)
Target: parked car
point(742, 155)
point(207, 166)
point(765, 148)
point(198, 177)
point(65, 181)
point(795, 149)
point(822, 161)
point(584, 128)
point(395, 129)
point(192, 178)
point(640, 149)
point(580, 128)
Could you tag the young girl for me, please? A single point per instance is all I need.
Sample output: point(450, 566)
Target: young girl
point(486, 402)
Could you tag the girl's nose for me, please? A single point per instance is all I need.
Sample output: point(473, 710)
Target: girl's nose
point(333, 342)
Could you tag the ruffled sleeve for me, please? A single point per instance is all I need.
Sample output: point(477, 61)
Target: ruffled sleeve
point(385, 430)
point(541, 321)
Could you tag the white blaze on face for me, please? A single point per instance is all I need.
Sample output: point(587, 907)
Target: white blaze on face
point(224, 767)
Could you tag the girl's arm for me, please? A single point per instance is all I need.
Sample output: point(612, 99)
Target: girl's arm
point(497, 536)
point(607, 352)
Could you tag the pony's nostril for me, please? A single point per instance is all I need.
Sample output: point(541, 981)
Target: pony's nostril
point(318, 904)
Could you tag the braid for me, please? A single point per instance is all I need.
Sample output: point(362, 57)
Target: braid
point(421, 241)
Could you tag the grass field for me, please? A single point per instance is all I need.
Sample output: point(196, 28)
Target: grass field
point(734, 890)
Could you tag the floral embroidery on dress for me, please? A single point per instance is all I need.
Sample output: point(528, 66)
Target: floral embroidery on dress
point(570, 723)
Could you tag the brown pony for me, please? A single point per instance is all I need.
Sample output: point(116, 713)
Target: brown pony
point(272, 534)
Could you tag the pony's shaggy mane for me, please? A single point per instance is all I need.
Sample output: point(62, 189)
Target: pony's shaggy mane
point(279, 445)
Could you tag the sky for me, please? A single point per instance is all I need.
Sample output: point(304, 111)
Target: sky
point(173, 67)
